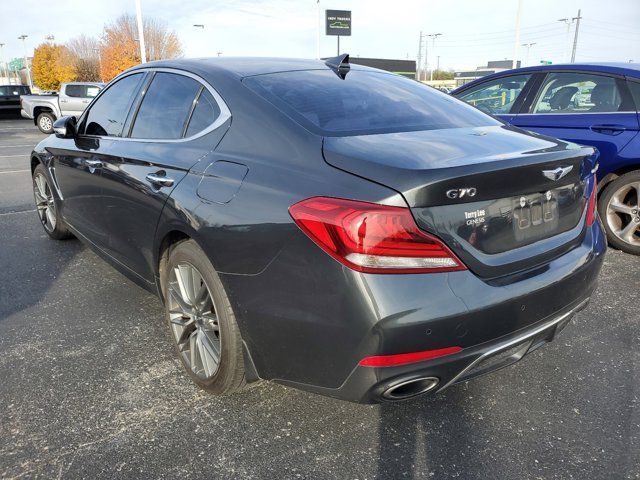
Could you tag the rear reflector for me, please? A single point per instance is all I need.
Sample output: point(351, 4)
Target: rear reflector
point(591, 206)
point(406, 358)
point(372, 238)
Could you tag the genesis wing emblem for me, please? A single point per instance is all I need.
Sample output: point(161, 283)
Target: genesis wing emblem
point(557, 173)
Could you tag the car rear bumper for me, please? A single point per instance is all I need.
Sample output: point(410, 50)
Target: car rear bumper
point(309, 328)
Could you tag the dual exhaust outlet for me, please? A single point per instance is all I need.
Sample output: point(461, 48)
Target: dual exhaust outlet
point(413, 387)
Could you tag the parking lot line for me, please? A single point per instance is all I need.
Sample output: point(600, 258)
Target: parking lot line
point(15, 171)
point(15, 213)
point(15, 156)
point(16, 146)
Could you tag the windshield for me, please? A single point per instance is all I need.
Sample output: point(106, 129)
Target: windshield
point(363, 103)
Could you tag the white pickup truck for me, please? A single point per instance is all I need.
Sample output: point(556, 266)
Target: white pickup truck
point(72, 99)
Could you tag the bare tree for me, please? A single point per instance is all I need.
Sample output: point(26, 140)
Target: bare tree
point(86, 57)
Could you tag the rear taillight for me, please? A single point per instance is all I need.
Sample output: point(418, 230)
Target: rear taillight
point(372, 238)
point(407, 358)
point(591, 206)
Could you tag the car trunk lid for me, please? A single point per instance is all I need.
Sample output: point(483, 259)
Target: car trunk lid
point(503, 200)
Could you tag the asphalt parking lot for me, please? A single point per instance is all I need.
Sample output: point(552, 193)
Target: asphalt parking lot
point(89, 385)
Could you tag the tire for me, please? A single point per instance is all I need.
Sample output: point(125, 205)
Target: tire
point(46, 206)
point(45, 122)
point(194, 330)
point(619, 209)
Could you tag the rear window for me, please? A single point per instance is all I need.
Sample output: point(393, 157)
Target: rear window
point(14, 90)
point(363, 103)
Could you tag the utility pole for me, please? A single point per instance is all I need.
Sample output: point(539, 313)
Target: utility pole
point(143, 51)
point(517, 43)
point(567, 22)
point(528, 45)
point(575, 37)
point(433, 47)
point(26, 61)
point(419, 60)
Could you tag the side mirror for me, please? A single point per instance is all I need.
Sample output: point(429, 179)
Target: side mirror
point(65, 127)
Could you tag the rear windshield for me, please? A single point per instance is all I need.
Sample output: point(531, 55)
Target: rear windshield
point(13, 90)
point(363, 103)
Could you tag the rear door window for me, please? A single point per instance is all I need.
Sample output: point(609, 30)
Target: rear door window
point(496, 96)
point(204, 114)
point(166, 106)
point(363, 102)
point(77, 91)
point(578, 92)
point(109, 112)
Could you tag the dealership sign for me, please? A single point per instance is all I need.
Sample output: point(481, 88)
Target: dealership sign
point(338, 22)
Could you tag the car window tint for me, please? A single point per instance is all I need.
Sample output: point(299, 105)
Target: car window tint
point(495, 96)
point(635, 93)
point(204, 114)
point(14, 90)
point(577, 93)
point(363, 102)
point(109, 112)
point(165, 107)
point(75, 90)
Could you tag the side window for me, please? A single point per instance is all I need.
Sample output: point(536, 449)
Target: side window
point(204, 114)
point(166, 106)
point(635, 93)
point(75, 90)
point(577, 93)
point(92, 91)
point(496, 96)
point(108, 114)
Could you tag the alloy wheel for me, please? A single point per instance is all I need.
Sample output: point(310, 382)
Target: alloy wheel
point(623, 213)
point(194, 321)
point(45, 123)
point(44, 202)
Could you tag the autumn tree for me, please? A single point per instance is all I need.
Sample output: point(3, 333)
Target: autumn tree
point(85, 52)
point(120, 48)
point(52, 65)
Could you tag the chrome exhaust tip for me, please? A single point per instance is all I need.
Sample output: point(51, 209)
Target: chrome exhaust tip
point(410, 388)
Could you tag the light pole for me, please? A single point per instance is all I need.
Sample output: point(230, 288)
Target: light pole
point(26, 62)
point(2, 64)
point(433, 37)
point(567, 22)
point(575, 37)
point(514, 63)
point(528, 45)
point(143, 51)
point(97, 52)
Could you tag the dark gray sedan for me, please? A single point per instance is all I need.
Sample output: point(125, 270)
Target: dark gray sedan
point(330, 227)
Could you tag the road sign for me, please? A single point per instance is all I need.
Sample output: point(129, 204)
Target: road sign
point(16, 64)
point(338, 22)
point(546, 62)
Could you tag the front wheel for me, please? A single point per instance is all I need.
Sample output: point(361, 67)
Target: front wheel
point(619, 208)
point(55, 227)
point(201, 321)
point(45, 122)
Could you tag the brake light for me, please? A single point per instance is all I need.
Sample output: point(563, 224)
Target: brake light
point(591, 206)
point(372, 238)
point(407, 358)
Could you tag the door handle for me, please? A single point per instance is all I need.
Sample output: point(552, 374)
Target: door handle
point(608, 129)
point(160, 179)
point(92, 164)
point(63, 101)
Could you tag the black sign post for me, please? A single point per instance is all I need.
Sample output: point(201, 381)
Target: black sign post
point(338, 23)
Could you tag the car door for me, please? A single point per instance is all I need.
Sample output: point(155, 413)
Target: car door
point(586, 108)
point(77, 163)
point(165, 140)
point(70, 99)
point(501, 96)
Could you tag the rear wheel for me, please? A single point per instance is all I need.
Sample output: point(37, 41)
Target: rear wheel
point(46, 206)
point(619, 208)
point(201, 322)
point(45, 122)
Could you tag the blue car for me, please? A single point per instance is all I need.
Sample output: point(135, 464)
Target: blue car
point(590, 104)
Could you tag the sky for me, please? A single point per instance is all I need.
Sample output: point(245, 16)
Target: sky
point(473, 31)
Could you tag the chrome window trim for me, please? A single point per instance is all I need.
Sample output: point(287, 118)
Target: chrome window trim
point(225, 113)
point(574, 113)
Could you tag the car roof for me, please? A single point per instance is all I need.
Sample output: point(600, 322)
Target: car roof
point(618, 68)
point(244, 66)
